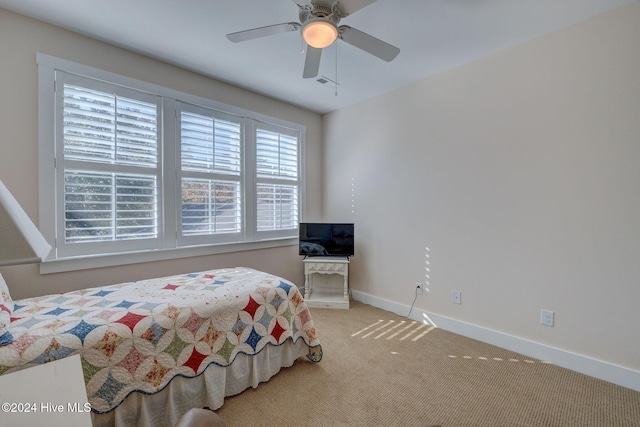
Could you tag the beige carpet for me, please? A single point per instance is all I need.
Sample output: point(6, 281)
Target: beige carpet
point(380, 369)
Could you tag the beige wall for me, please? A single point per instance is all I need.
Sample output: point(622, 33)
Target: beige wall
point(520, 172)
point(20, 39)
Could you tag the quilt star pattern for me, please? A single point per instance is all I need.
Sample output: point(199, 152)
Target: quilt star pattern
point(137, 337)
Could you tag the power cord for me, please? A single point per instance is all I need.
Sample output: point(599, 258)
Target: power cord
point(414, 301)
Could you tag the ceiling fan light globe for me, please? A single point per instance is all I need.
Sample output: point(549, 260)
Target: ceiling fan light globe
point(319, 33)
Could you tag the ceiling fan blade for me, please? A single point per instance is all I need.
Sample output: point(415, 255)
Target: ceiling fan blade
point(269, 30)
point(312, 62)
point(370, 44)
point(352, 6)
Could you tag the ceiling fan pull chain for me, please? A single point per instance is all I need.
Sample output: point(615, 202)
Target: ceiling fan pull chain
point(336, 69)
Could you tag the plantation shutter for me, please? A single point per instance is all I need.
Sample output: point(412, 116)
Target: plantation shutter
point(109, 174)
point(130, 171)
point(277, 178)
point(211, 168)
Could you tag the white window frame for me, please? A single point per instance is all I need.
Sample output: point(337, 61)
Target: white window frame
point(172, 245)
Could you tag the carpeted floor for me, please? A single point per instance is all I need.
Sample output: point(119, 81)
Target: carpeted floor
point(380, 369)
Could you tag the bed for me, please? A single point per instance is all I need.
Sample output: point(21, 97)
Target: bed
point(153, 349)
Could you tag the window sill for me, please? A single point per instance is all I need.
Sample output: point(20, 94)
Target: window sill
point(110, 260)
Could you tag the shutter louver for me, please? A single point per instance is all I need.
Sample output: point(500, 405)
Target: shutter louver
point(210, 207)
point(101, 127)
point(209, 144)
point(277, 155)
point(277, 207)
point(102, 207)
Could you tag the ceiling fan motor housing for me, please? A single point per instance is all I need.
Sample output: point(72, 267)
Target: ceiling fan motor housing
point(321, 10)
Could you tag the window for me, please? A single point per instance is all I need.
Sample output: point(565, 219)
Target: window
point(277, 163)
point(210, 175)
point(107, 144)
point(143, 172)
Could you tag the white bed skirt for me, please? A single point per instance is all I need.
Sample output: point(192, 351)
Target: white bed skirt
point(209, 389)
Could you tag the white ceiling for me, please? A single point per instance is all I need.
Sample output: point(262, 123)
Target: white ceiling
point(433, 35)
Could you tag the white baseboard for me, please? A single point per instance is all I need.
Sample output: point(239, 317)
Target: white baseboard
point(619, 375)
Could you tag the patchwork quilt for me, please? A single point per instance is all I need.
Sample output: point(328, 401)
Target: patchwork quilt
point(139, 336)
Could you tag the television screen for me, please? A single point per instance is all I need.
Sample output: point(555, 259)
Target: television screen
point(323, 239)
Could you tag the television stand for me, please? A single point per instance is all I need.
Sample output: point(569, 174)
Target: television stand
point(322, 297)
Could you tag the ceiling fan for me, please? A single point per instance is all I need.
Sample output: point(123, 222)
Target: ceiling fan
point(319, 28)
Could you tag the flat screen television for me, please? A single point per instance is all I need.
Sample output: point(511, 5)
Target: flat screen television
point(326, 239)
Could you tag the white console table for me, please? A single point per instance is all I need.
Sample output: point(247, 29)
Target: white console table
point(323, 297)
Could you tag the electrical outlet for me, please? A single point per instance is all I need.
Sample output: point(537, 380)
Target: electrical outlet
point(456, 297)
point(419, 288)
point(546, 317)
